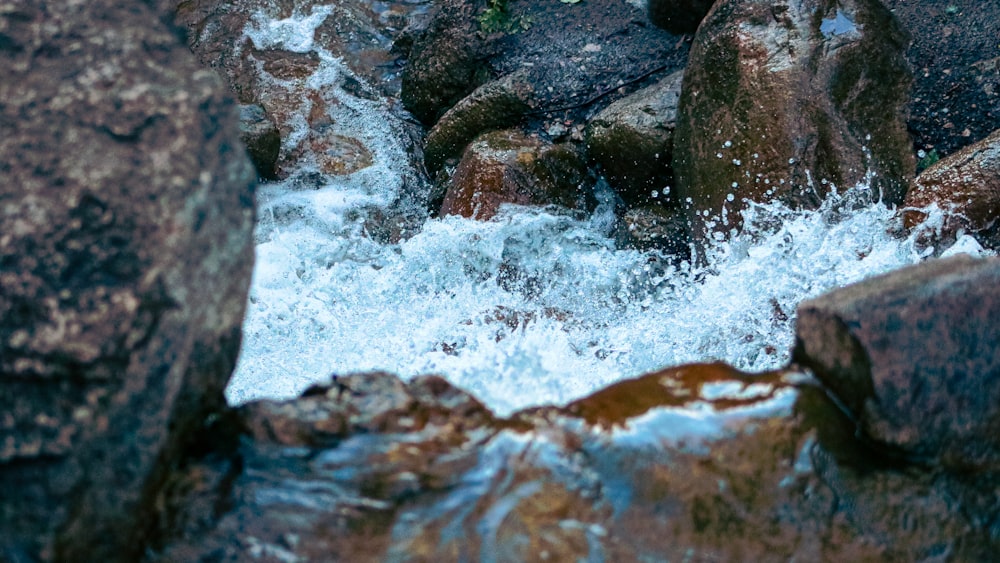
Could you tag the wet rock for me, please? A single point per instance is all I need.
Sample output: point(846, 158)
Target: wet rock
point(965, 187)
point(125, 259)
point(510, 167)
point(781, 101)
point(633, 142)
point(655, 227)
point(678, 16)
point(698, 461)
point(955, 100)
point(551, 62)
point(912, 354)
point(261, 137)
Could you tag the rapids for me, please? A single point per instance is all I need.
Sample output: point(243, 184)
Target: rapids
point(532, 307)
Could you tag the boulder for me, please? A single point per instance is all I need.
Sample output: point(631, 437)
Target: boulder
point(510, 167)
point(966, 188)
point(536, 64)
point(633, 142)
point(126, 218)
point(785, 100)
point(913, 356)
point(955, 99)
point(699, 462)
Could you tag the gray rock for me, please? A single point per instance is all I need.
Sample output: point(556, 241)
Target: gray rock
point(633, 141)
point(914, 356)
point(126, 217)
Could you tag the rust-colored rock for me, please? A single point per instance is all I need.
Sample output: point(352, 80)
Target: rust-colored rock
point(783, 100)
point(913, 355)
point(633, 141)
point(965, 187)
point(126, 217)
point(510, 167)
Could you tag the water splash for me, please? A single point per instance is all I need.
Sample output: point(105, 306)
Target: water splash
point(532, 307)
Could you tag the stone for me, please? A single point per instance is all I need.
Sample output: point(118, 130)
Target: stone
point(545, 62)
point(262, 139)
point(782, 101)
point(678, 16)
point(633, 142)
point(510, 167)
point(699, 461)
point(126, 247)
point(965, 187)
point(913, 355)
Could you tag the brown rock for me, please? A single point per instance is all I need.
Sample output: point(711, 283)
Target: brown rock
point(125, 258)
point(510, 167)
point(966, 188)
point(782, 100)
point(633, 141)
point(913, 355)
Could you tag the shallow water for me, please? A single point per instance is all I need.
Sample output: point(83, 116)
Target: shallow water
point(531, 307)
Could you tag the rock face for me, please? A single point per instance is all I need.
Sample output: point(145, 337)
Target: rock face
point(262, 139)
point(913, 354)
point(966, 188)
point(781, 100)
point(633, 142)
point(509, 167)
point(126, 216)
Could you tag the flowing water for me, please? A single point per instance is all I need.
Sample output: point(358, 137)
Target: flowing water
point(531, 307)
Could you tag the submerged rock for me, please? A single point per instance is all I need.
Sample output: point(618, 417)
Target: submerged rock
point(125, 258)
point(785, 100)
point(965, 187)
point(510, 167)
point(913, 355)
point(633, 142)
point(655, 227)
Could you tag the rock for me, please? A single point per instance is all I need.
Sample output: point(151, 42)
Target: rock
point(633, 142)
point(509, 167)
point(126, 244)
point(261, 137)
point(700, 461)
point(655, 227)
point(781, 101)
point(678, 16)
point(955, 99)
point(540, 61)
point(912, 354)
point(443, 65)
point(966, 188)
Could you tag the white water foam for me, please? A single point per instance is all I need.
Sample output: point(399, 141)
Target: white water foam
point(531, 307)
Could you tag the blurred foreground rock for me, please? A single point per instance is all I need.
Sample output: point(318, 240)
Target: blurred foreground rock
point(914, 356)
point(700, 462)
point(126, 217)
